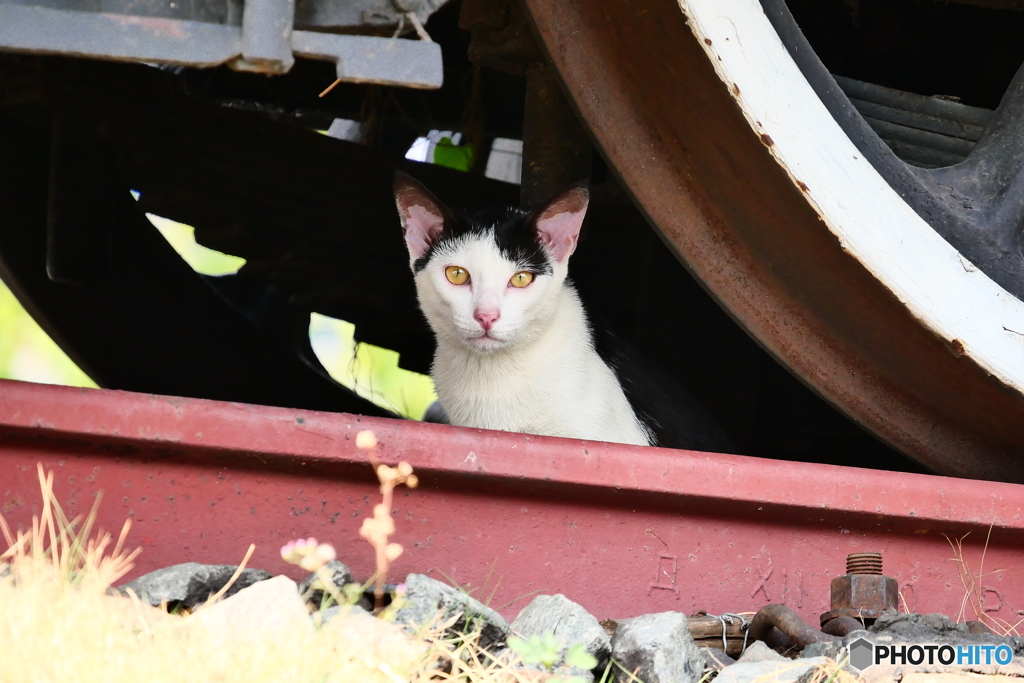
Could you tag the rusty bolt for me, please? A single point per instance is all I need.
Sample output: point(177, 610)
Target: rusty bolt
point(863, 593)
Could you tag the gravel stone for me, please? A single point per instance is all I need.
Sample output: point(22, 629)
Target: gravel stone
point(376, 639)
point(929, 628)
point(759, 652)
point(788, 671)
point(661, 645)
point(569, 622)
point(191, 584)
point(323, 616)
point(833, 651)
point(571, 625)
point(427, 597)
point(260, 612)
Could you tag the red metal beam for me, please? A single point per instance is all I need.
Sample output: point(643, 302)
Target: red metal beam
point(623, 530)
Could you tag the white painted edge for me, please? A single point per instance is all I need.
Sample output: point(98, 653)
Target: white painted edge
point(940, 288)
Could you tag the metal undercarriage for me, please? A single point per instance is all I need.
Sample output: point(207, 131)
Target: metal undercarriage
point(232, 153)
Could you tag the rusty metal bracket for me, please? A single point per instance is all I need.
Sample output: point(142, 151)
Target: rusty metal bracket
point(265, 42)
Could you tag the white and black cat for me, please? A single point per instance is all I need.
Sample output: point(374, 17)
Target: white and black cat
point(515, 350)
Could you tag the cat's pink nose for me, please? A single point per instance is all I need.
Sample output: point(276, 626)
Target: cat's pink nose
point(486, 318)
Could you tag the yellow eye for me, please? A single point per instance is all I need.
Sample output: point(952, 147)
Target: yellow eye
point(456, 275)
point(521, 279)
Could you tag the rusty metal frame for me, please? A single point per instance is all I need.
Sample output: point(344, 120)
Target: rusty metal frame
point(624, 530)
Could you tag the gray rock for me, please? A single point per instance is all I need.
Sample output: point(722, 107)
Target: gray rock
point(833, 651)
point(917, 624)
point(940, 622)
point(323, 616)
point(264, 611)
point(191, 584)
point(789, 671)
point(427, 598)
point(661, 645)
point(759, 652)
point(340, 575)
point(569, 622)
point(893, 627)
point(378, 641)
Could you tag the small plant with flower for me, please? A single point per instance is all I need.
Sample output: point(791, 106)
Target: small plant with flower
point(379, 528)
point(314, 556)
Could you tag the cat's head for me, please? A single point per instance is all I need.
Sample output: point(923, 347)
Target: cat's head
point(490, 279)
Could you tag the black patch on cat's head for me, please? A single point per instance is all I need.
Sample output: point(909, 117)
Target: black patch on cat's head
point(513, 230)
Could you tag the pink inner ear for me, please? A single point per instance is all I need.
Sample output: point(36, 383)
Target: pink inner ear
point(559, 223)
point(421, 226)
point(422, 216)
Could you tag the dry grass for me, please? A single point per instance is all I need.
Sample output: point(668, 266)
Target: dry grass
point(974, 592)
point(58, 623)
point(833, 672)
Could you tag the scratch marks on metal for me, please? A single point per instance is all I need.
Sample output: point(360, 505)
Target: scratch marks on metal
point(762, 586)
point(668, 568)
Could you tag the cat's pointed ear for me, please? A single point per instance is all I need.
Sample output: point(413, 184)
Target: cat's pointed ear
point(423, 215)
point(559, 221)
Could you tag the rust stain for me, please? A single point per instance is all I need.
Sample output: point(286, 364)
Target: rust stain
point(735, 90)
point(707, 41)
point(803, 186)
point(170, 27)
point(767, 139)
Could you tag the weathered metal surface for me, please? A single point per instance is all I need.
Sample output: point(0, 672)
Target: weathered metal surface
point(556, 150)
point(863, 592)
point(675, 134)
point(378, 16)
point(349, 14)
point(267, 36)
point(385, 61)
point(865, 597)
point(27, 28)
point(789, 625)
point(623, 530)
point(266, 44)
point(926, 132)
point(500, 35)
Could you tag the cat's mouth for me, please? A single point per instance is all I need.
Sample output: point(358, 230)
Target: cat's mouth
point(486, 341)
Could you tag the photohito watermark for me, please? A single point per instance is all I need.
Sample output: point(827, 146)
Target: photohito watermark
point(863, 653)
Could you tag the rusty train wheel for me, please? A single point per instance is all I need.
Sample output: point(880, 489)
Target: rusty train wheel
point(734, 159)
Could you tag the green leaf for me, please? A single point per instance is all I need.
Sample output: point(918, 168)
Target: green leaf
point(578, 657)
point(539, 649)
